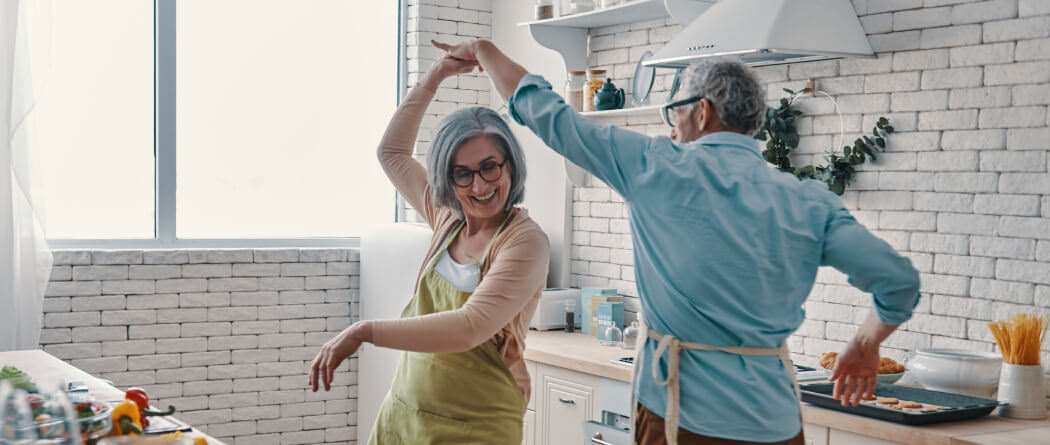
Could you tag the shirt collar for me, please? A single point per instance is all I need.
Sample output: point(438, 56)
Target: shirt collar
point(731, 139)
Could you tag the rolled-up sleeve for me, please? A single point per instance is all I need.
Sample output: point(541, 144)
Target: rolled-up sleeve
point(613, 154)
point(872, 266)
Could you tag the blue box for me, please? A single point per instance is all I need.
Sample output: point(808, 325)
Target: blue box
point(590, 298)
point(609, 314)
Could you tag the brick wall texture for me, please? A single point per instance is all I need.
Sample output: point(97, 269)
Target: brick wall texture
point(963, 189)
point(223, 335)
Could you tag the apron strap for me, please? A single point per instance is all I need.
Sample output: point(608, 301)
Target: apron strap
point(673, 347)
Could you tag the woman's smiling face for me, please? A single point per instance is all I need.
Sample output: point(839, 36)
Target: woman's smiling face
point(482, 199)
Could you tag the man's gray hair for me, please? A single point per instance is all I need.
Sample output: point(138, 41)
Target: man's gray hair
point(733, 90)
point(460, 127)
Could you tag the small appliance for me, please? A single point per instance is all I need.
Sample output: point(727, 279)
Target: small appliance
point(550, 312)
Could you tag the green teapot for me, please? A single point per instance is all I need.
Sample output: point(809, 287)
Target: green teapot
point(609, 97)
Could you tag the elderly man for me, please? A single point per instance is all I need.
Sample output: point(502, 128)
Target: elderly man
point(726, 251)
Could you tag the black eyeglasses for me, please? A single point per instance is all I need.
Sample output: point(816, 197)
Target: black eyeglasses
point(666, 111)
point(490, 171)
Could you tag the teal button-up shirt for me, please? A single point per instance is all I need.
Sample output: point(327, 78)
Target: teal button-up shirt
point(726, 250)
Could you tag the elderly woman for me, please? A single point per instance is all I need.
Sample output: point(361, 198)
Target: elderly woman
point(462, 378)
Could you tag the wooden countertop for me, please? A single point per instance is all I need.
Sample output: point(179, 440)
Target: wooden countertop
point(47, 371)
point(577, 352)
point(582, 353)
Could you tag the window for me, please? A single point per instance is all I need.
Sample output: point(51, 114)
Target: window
point(93, 122)
point(266, 113)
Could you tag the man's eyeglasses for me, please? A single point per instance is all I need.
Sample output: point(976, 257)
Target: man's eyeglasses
point(490, 171)
point(666, 111)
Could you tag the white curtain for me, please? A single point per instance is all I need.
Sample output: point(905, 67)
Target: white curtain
point(25, 260)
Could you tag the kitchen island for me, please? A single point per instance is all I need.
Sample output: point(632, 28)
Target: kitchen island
point(47, 372)
point(583, 354)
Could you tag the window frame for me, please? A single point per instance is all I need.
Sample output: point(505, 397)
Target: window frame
point(165, 158)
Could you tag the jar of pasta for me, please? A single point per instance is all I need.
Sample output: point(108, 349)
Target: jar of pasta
point(594, 83)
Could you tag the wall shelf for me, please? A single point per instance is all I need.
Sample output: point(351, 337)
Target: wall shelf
point(633, 11)
point(633, 111)
point(568, 35)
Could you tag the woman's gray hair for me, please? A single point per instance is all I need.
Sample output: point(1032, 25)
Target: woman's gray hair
point(734, 91)
point(460, 127)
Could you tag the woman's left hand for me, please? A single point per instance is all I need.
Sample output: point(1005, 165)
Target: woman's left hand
point(332, 354)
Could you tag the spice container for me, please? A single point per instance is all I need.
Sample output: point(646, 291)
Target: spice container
point(544, 9)
point(594, 83)
point(578, 6)
point(570, 317)
point(574, 87)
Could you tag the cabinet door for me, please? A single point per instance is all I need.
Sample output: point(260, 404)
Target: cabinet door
point(815, 434)
point(839, 437)
point(529, 436)
point(567, 408)
point(534, 376)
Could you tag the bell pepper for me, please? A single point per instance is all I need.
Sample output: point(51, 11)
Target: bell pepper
point(141, 399)
point(126, 419)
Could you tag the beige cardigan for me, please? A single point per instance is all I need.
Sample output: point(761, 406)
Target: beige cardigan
point(513, 273)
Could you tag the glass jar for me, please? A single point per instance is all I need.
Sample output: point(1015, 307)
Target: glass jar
point(630, 335)
point(578, 6)
point(544, 9)
point(613, 336)
point(594, 83)
point(574, 86)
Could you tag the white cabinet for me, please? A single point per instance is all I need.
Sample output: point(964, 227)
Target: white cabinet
point(815, 434)
point(564, 400)
point(532, 368)
point(566, 410)
point(529, 436)
point(839, 437)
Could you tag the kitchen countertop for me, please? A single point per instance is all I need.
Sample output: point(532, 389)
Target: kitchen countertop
point(47, 371)
point(582, 353)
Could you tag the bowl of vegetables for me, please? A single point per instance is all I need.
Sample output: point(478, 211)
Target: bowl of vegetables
point(48, 418)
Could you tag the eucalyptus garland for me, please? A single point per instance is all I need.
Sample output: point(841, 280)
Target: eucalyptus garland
point(781, 136)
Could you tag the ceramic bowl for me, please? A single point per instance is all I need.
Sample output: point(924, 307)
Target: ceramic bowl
point(890, 378)
point(957, 371)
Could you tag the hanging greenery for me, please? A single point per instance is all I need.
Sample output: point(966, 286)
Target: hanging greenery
point(781, 136)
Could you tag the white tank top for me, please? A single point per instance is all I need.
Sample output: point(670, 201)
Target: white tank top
point(464, 277)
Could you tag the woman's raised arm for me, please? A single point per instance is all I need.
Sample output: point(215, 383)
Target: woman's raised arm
point(395, 150)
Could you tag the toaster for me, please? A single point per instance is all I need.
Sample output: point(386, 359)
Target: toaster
point(550, 312)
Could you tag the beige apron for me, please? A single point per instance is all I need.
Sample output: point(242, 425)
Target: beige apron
point(673, 347)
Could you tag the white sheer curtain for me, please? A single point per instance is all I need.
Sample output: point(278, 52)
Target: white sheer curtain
point(25, 260)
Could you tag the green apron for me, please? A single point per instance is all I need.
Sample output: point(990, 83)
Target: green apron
point(449, 398)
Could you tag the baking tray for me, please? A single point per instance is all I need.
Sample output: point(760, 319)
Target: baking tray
point(959, 407)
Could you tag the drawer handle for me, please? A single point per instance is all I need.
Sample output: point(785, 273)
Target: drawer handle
point(567, 401)
point(597, 440)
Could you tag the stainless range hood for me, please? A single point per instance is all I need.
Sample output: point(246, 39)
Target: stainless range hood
point(768, 32)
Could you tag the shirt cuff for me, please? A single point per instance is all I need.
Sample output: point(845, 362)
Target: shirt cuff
point(527, 83)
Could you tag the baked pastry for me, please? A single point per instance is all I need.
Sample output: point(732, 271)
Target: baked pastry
point(827, 360)
point(887, 401)
point(886, 365)
point(889, 366)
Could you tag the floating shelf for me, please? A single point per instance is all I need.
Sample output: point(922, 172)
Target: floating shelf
point(568, 35)
point(632, 11)
point(647, 109)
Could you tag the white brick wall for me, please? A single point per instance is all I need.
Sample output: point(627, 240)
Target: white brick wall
point(223, 335)
point(449, 21)
point(964, 191)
